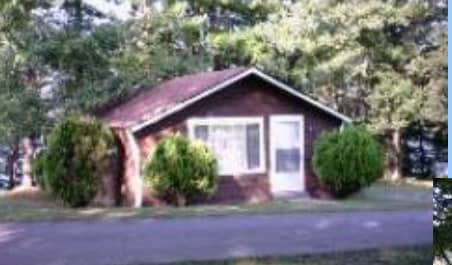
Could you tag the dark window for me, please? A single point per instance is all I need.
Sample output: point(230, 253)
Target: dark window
point(252, 146)
point(201, 132)
point(288, 160)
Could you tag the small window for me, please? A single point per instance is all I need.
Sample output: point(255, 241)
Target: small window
point(288, 160)
point(236, 142)
point(201, 132)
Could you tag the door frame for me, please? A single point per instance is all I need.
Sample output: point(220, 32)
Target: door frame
point(272, 168)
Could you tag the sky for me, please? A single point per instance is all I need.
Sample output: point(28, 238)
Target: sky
point(118, 9)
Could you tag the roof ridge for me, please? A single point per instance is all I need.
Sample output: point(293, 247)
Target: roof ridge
point(172, 95)
point(194, 81)
point(103, 109)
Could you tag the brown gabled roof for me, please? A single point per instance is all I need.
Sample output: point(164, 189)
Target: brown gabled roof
point(157, 100)
point(153, 104)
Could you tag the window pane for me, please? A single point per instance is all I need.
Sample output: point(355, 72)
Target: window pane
point(252, 146)
point(235, 145)
point(287, 160)
point(288, 135)
point(201, 132)
point(228, 144)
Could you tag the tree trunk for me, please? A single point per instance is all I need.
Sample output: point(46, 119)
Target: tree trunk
point(394, 157)
point(181, 200)
point(11, 164)
point(422, 156)
point(27, 164)
point(396, 141)
point(131, 181)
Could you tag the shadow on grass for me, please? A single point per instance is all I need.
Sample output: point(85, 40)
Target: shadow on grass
point(36, 205)
point(417, 255)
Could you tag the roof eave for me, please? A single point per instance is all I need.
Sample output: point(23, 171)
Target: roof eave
point(178, 107)
point(191, 101)
point(301, 96)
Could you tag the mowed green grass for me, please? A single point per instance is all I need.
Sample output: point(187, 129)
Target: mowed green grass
point(417, 255)
point(36, 205)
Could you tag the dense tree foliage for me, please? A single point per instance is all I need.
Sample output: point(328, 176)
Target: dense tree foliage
point(22, 110)
point(442, 218)
point(384, 63)
point(364, 58)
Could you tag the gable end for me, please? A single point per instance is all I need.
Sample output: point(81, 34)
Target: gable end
point(232, 80)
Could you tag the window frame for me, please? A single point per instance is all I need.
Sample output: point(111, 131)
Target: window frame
point(244, 121)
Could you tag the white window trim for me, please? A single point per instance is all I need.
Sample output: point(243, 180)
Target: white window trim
point(208, 121)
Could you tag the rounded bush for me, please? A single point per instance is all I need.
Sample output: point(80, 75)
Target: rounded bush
point(181, 170)
point(347, 161)
point(79, 152)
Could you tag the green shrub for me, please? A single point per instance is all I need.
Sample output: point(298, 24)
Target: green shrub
point(79, 151)
point(181, 170)
point(347, 161)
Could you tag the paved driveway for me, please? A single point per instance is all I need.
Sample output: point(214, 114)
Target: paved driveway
point(153, 240)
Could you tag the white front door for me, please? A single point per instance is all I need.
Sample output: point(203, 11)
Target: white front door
point(287, 154)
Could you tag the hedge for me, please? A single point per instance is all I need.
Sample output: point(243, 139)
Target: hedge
point(347, 161)
point(79, 151)
point(181, 170)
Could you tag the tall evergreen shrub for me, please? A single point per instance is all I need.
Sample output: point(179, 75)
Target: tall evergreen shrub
point(79, 152)
point(348, 160)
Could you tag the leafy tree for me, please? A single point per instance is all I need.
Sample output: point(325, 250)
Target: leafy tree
point(395, 102)
point(228, 15)
point(104, 62)
point(429, 72)
point(442, 222)
point(225, 23)
point(82, 64)
point(22, 112)
point(167, 44)
point(349, 54)
point(22, 108)
point(423, 146)
point(352, 55)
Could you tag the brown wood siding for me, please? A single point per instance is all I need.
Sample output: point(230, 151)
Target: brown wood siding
point(248, 97)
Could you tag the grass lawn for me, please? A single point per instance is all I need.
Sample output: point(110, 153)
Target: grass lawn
point(419, 255)
point(35, 205)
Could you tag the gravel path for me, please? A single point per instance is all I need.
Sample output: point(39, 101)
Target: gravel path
point(157, 240)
